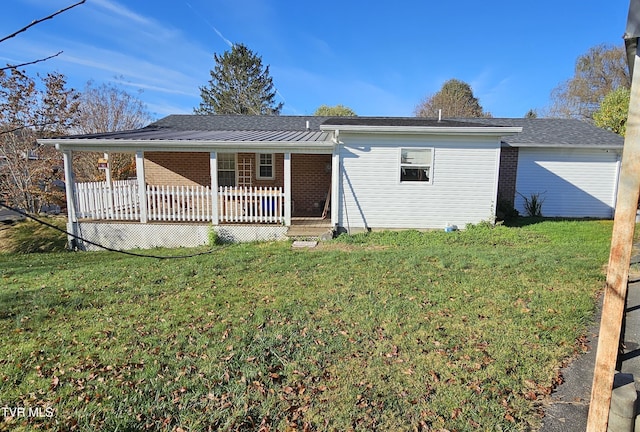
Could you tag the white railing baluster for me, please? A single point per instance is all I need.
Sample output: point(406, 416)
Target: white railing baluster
point(190, 203)
point(152, 208)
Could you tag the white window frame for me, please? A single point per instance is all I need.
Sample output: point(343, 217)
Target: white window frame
point(408, 165)
point(259, 164)
point(224, 169)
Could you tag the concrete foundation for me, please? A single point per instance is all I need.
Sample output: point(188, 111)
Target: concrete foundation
point(126, 236)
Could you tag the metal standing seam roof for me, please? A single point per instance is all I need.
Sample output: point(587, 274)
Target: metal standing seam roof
point(224, 128)
point(153, 134)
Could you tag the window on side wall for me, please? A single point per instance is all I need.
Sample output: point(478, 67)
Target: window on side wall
point(265, 163)
point(416, 165)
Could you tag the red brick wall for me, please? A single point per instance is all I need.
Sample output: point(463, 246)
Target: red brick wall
point(177, 168)
point(310, 175)
point(508, 173)
point(310, 183)
point(249, 160)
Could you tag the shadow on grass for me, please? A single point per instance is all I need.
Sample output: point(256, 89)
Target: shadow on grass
point(30, 237)
point(520, 222)
point(36, 303)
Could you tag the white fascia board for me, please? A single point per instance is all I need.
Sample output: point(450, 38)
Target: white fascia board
point(566, 146)
point(121, 145)
point(425, 130)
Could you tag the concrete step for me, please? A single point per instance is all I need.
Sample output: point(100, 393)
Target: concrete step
point(306, 232)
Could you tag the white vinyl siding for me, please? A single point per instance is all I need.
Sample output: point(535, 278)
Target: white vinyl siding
point(572, 182)
point(462, 190)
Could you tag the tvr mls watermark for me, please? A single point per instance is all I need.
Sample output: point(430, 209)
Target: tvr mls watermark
point(31, 412)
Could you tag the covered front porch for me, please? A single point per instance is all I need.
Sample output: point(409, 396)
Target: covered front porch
point(146, 210)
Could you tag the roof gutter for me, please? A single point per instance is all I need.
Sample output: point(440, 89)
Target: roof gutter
point(563, 146)
point(426, 130)
point(124, 145)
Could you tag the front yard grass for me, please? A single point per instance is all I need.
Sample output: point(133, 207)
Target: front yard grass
point(380, 331)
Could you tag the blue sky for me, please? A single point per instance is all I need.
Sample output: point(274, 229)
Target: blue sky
point(378, 58)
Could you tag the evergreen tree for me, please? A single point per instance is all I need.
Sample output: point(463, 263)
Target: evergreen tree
point(239, 85)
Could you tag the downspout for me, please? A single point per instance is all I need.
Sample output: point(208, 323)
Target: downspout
point(615, 185)
point(337, 198)
point(496, 184)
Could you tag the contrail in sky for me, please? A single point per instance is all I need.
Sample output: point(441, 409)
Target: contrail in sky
point(227, 41)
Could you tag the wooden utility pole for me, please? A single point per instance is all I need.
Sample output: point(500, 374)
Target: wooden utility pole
point(621, 242)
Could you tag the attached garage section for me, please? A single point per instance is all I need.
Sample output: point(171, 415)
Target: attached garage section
point(573, 182)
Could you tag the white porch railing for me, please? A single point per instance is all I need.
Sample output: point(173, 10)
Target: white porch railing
point(120, 201)
point(251, 204)
point(101, 200)
point(179, 203)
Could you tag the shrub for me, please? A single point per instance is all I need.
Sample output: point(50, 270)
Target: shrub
point(533, 203)
point(214, 238)
point(505, 210)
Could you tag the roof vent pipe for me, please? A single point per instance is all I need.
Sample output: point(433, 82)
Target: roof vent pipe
point(439, 115)
point(308, 125)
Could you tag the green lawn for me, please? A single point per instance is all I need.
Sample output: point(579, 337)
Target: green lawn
point(380, 331)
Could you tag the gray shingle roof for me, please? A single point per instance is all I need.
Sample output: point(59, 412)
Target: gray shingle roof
point(554, 132)
point(194, 122)
point(401, 122)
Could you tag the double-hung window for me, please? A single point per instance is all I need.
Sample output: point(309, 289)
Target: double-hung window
point(416, 164)
point(226, 169)
point(266, 166)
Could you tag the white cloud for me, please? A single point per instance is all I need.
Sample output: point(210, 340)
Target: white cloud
point(123, 12)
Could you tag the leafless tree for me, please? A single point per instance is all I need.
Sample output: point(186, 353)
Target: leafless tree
point(597, 73)
point(107, 108)
point(27, 27)
point(28, 171)
point(455, 99)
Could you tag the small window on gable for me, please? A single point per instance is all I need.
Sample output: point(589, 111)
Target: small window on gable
point(416, 165)
point(265, 164)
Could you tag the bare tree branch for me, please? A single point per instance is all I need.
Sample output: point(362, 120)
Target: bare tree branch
point(41, 20)
point(29, 126)
point(7, 67)
point(23, 29)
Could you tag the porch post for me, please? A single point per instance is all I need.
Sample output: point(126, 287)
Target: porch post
point(107, 172)
point(142, 192)
point(213, 167)
point(287, 189)
point(107, 177)
point(70, 191)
